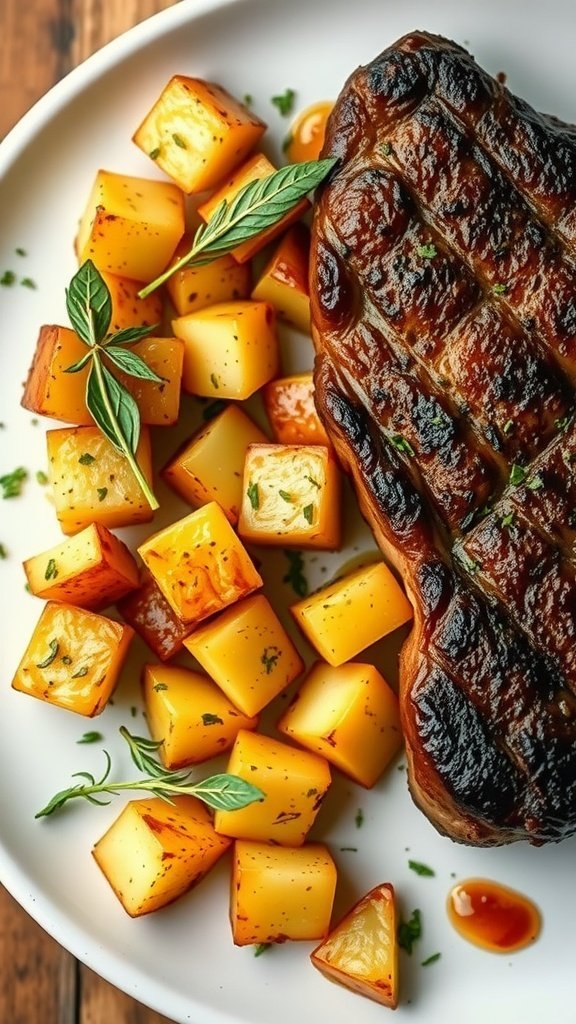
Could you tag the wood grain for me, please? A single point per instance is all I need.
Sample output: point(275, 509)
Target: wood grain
point(40, 42)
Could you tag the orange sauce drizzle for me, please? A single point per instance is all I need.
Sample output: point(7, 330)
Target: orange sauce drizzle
point(306, 136)
point(493, 916)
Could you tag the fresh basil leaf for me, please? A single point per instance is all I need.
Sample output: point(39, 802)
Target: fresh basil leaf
point(80, 364)
point(113, 409)
point(260, 205)
point(131, 363)
point(129, 335)
point(227, 792)
point(89, 304)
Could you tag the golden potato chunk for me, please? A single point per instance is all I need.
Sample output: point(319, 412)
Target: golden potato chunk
point(361, 952)
point(294, 781)
point(345, 617)
point(197, 132)
point(92, 482)
point(222, 280)
point(278, 893)
point(289, 404)
point(200, 564)
point(50, 391)
point(256, 167)
point(291, 496)
point(92, 569)
point(128, 309)
point(210, 465)
point(189, 715)
point(230, 350)
point(247, 651)
point(148, 612)
point(73, 659)
point(131, 226)
point(349, 715)
point(154, 852)
point(284, 280)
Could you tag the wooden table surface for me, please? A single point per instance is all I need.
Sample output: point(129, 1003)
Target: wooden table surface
point(40, 42)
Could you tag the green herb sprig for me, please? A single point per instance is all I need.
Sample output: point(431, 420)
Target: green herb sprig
point(256, 207)
point(112, 407)
point(221, 792)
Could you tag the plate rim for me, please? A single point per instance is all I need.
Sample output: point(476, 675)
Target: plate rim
point(56, 922)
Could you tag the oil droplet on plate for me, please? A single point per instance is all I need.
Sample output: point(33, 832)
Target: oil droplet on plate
point(306, 136)
point(493, 916)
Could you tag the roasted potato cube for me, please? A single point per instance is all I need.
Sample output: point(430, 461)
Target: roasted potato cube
point(92, 482)
point(150, 615)
point(222, 280)
point(200, 564)
point(73, 659)
point(159, 404)
point(294, 781)
point(91, 570)
point(197, 132)
point(128, 309)
point(154, 852)
point(279, 893)
point(284, 281)
point(256, 167)
point(291, 496)
point(247, 651)
point(131, 226)
point(345, 617)
point(289, 404)
point(361, 952)
point(189, 715)
point(349, 715)
point(230, 350)
point(210, 465)
point(50, 391)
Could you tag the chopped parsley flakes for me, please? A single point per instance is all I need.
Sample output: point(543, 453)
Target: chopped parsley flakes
point(410, 931)
point(284, 102)
point(210, 719)
point(427, 252)
point(90, 737)
point(270, 658)
point(517, 474)
point(295, 576)
point(253, 495)
point(51, 570)
point(11, 483)
point(421, 869)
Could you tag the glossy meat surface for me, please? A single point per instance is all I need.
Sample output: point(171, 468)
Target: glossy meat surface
point(443, 287)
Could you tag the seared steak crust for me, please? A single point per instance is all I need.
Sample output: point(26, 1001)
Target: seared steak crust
point(444, 319)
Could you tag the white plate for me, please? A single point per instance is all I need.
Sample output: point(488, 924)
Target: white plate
point(181, 961)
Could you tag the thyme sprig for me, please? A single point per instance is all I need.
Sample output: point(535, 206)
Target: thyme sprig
point(221, 792)
point(112, 407)
point(256, 207)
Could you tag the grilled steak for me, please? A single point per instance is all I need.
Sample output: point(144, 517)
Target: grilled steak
point(444, 320)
